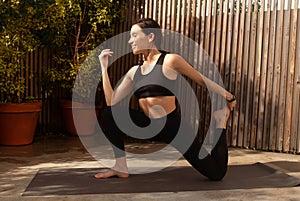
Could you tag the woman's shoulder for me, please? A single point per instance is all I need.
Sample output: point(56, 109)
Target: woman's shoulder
point(134, 68)
point(131, 72)
point(173, 58)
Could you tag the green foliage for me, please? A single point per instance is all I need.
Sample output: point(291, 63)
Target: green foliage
point(71, 29)
point(74, 29)
point(18, 20)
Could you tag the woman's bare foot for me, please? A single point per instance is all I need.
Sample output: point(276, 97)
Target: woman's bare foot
point(119, 170)
point(111, 173)
point(221, 117)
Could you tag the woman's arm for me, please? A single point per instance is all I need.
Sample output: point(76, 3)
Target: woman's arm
point(180, 65)
point(113, 96)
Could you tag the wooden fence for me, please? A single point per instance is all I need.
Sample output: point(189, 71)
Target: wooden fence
point(256, 48)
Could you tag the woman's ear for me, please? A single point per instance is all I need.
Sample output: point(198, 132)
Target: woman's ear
point(151, 37)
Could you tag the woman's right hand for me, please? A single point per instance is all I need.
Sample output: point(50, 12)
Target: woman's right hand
point(103, 58)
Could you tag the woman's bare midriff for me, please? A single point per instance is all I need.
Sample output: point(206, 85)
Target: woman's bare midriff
point(157, 107)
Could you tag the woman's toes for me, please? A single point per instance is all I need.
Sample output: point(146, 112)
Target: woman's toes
point(111, 173)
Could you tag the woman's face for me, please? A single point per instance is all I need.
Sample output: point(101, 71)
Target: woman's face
point(139, 41)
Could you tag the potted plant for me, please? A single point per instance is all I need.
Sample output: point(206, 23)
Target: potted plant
point(82, 25)
point(18, 114)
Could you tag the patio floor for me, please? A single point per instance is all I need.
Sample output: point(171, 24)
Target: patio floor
point(19, 164)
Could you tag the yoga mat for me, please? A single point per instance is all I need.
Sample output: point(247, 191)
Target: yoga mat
point(173, 179)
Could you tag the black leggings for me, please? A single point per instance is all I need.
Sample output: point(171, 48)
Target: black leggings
point(213, 165)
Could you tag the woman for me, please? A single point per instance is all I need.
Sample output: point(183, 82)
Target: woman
point(145, 38)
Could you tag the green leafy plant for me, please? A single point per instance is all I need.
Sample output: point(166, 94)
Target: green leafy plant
point(18, 21)
point(75, 28)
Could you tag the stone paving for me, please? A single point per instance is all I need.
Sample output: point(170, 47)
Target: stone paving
point(19, 164)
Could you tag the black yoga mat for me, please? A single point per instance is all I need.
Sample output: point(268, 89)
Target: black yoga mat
point(173, 179)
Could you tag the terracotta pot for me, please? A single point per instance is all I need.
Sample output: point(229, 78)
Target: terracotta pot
point(82, 114)
point(18, 122)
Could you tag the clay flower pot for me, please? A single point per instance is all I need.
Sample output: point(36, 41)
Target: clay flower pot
point(85, 117)
point(18, 122)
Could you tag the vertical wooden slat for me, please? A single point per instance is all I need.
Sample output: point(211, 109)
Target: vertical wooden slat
point(193, 53)
point(277, 69)
point(40, 73)
point(26, 72)
point(31, 70)
point(165, 15)
point(160, 12)
point(269, 109)
point(150, 9)
point(178, 13)
point(268, 136)
point(234, 69)
point(193, 24)
point(217, 73)
point(39, 86)
point(218, 45)
point(146, 4)
point(250, 66)
point(155, 10)
point(185, 51)
point(238, 119)
point(207, 26)
point(188, 16)
point(245, 84)
point(221, 37)
point(295, 143)
point(250, 81)
point(205, 71)
point(276, 78)
point(201, 34)
point(211, 50)
point(227, 67)
point(283, 80)
point(182, 29)
point(36, 73)
point(212, 34)
point(298, 130)
point(261, 58)
point(202, 23)
point(288, 65)
point(224, 37)
point(174, 15)
point(46, 105)
point(262, 140)
point(290, 77)
point(256, 73)
point(228, 44)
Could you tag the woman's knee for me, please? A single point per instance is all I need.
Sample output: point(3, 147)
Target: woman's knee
point(218, 176)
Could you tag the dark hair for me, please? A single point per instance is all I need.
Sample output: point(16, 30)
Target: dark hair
point(148, 26)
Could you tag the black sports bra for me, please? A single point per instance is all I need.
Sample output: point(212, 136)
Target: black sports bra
point(154, 83)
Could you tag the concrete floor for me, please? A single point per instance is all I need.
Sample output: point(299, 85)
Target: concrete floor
point(19, 164)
